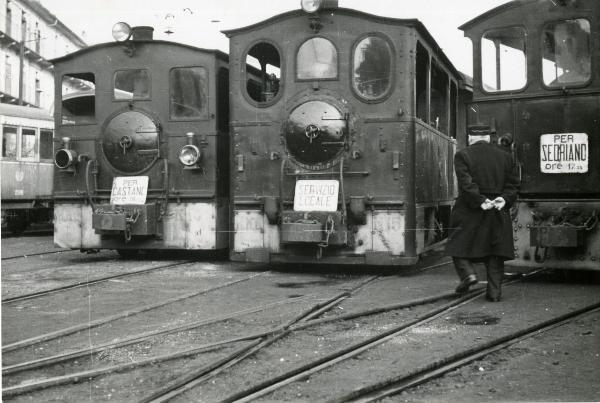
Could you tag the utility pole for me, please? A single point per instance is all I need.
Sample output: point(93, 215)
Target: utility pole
point(22, 56)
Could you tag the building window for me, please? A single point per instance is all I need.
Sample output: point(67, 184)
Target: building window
point(372, 68)
point(8, 21)
point(316, 59)
point(7, 76)
point(132, 84)
point(9, 142)
point(78, 98)
point(28, 143)
point(503, 60)
point(263, 72)
point(188, 93)
point(46, 144)
point(567, 58)
point(38, 92)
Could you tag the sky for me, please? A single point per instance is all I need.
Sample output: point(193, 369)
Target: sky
point(199, 22)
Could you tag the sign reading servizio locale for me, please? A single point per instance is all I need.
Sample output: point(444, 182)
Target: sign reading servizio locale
point(316, 195)
point(564, 153)
point(129, 190)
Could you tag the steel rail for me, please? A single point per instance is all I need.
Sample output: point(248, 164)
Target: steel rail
point(277, 382)
point(88, 283)
point(424, 374)
point(101, 321)
point(36, 254)
point(138, 338)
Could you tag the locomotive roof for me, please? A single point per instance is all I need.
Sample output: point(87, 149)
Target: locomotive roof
point(496, 11)
point(22, 111)
point(216, 52)
point(411, 22)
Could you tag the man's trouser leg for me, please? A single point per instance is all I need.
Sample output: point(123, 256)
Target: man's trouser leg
point(495, 271)
point(464, 267)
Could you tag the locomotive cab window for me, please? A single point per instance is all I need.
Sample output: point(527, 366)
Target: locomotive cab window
point(372, 68)
point(78, 99)
point(503, 60)
point(439, 99)
point(421, 75)
point(28, 144)
point(316, 60)
point(263, 73)
point(131, 84)
point(566, 53)
point(189, 93)
point(9, 142)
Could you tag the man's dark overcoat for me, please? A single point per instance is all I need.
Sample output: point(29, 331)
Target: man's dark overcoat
point(483, 171)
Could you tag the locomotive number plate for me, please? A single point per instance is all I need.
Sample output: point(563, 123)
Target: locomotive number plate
point(316, 195)
point(564, 153)
point(129, 190)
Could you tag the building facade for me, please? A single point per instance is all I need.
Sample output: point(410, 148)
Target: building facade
point(30, 35)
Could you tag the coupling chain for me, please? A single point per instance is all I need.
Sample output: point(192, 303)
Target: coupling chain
point(130, 219)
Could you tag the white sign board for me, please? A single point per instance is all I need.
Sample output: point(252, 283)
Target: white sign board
point(564, 153)
point(129, 190)
point(316, 195)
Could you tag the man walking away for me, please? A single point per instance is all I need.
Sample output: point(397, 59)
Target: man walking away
point(480, 223)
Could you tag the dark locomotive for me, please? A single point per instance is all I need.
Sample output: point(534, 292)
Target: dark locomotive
point(343, 144)
point(26, 163)
point(142, 160)
point(536, 89)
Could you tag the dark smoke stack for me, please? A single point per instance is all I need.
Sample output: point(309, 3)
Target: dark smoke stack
point(142, 33)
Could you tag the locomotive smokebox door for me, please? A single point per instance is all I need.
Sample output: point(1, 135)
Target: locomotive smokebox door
point(315, 134)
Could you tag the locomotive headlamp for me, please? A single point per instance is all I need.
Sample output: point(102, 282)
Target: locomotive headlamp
point(64, 158)
point(121, 31)
point(189, 155)
point(311, 6)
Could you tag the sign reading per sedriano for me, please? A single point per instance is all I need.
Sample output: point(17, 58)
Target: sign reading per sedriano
point(564, 153)
point(316, 195)
point(129, 190)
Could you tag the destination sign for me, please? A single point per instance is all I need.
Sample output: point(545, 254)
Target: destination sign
point(564, 153)
point(316, 195)
point(129, 190)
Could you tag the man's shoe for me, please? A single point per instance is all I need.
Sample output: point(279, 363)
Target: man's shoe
point(491, 299)
point(467, 282)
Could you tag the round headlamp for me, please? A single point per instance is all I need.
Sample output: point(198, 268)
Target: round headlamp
point(64, 158)
point(121, 31)
point(311, 6)
point(189, 155)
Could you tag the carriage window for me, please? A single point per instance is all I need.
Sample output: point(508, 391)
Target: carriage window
point(189, 93)
point(28, 143)
point(439, 98)
point(263, 67)
point(132, 84)
point(372, 67)
point(567, 58)
point(453, 109)
point(9, 142)
point(422, 72)
point(78, 98)
point(503, 60)
point(316, 59)
point(46, 144)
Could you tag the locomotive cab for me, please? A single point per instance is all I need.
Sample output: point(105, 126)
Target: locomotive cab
point(537, 84)
point(337, 158)
point(143, 155)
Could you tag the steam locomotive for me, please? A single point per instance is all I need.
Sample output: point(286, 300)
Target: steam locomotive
point(343, 145)
point(536, 88)
point(143, 146)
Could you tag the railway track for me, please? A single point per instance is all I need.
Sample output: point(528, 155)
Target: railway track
point(87, 283)
point(76, 377)
point(52, 252)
